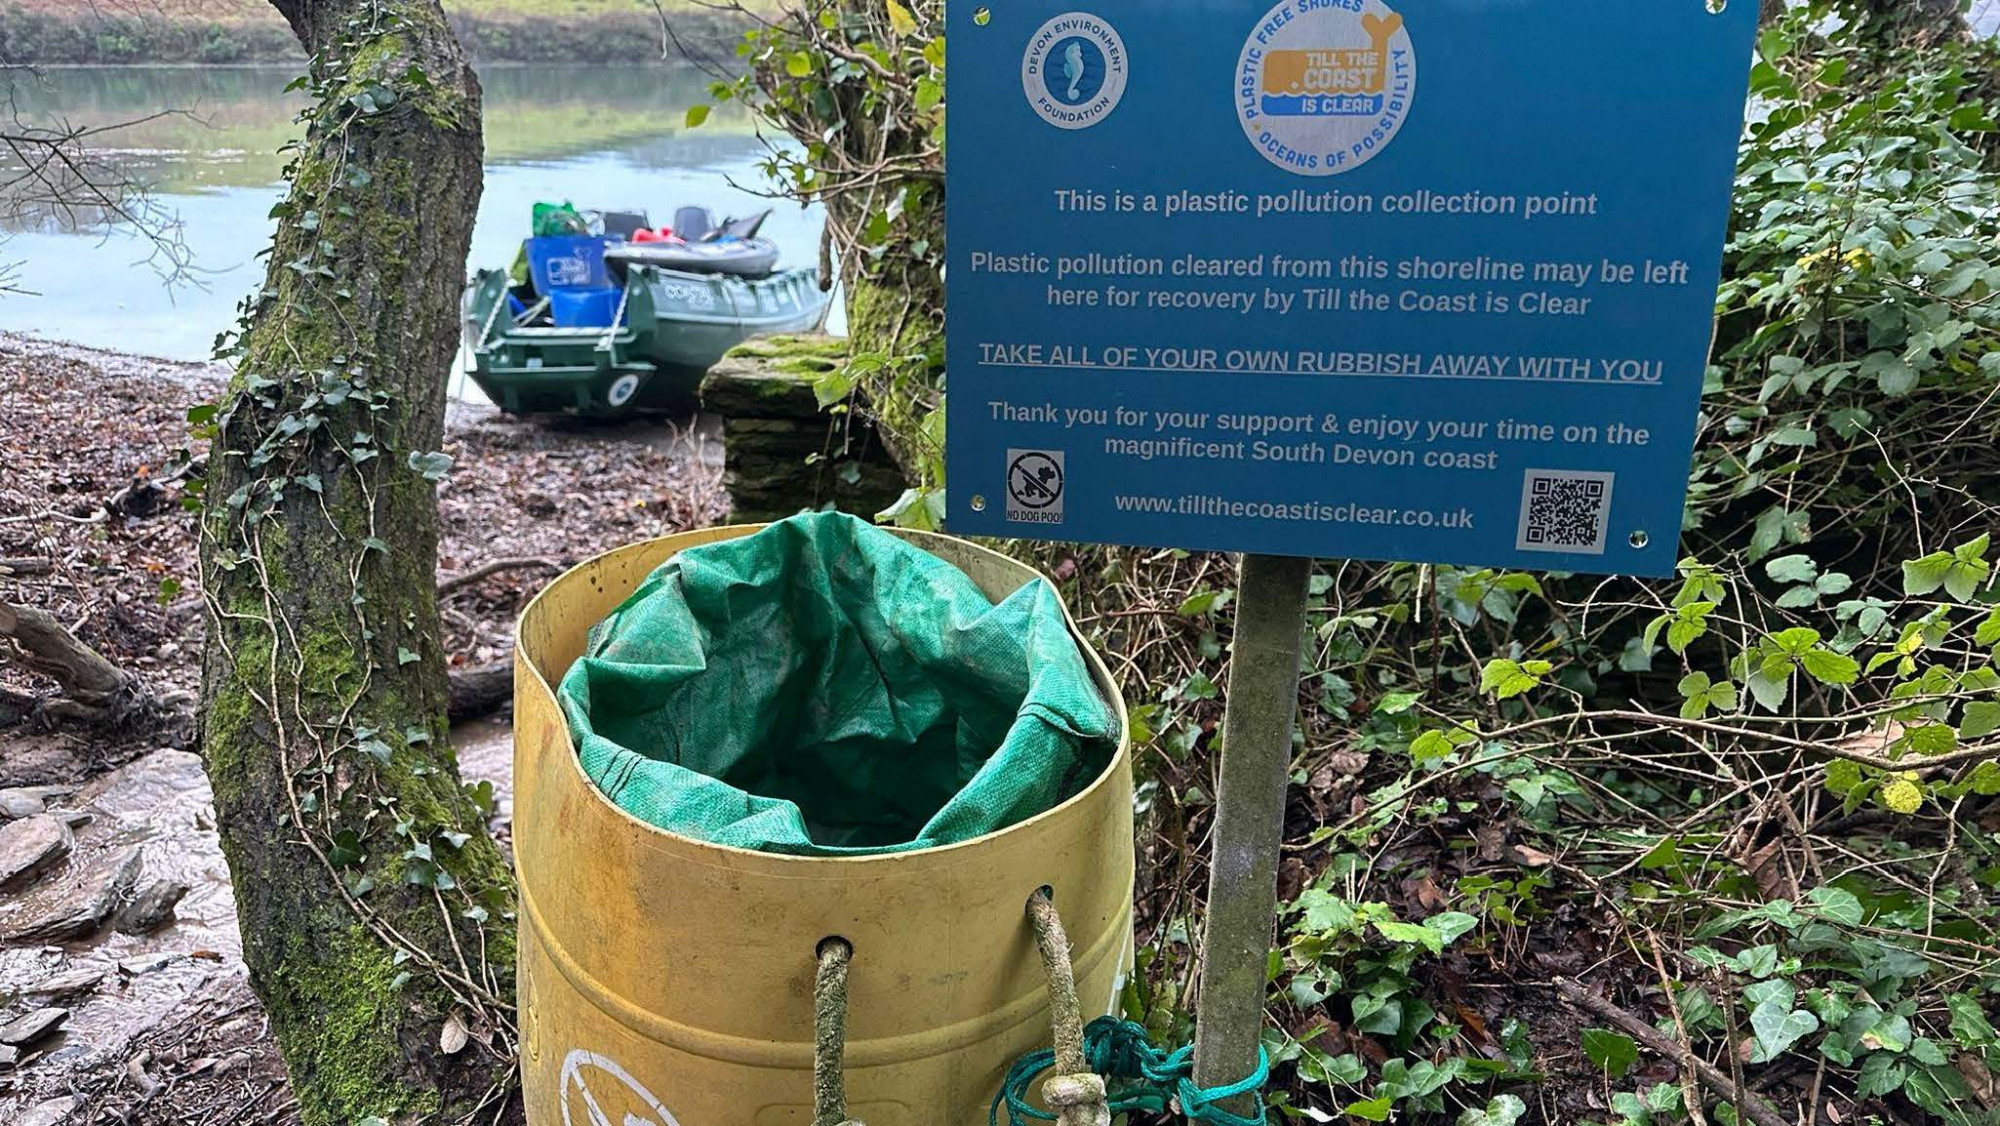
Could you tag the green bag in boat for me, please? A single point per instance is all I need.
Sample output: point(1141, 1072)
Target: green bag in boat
point(823, 688)
point(558, 219)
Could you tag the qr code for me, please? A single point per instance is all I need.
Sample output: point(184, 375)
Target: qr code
point(1566, 511)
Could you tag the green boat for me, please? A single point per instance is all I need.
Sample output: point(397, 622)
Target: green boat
point(670, 328)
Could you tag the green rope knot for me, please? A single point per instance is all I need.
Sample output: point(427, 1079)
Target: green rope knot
point(1138, 1075)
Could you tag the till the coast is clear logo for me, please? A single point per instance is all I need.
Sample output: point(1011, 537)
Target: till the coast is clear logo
point(1323, 86)
point(1074, 71)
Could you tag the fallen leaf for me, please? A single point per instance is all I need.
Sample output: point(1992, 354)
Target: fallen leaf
point(452, 1038)
point(1527, 856)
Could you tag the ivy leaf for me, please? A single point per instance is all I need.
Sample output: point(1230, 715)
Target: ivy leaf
point(1450, 926)
point(1323, 911)
point(345, 851)
point(406, 657)
point(1410, 934)
point(433, 466)
point(1758, 961)
point(1613, 1052)
point(1969, 1025)
point(1779, 1026)
point(1501, 1110)
point(1837, 904)
point(1199, 603)
point(1374, 1110)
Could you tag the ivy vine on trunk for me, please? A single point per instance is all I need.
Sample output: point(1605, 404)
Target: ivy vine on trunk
point(860, 85)
point(377, 913)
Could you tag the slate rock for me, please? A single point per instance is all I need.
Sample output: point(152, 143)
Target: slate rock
point(30, 847)
point(27, 801)
point(25, 1030)
point(147, 963)
point(15, 805)
point(80, 909)
point(69, 984)
point(54, 1112)
point(152, 908)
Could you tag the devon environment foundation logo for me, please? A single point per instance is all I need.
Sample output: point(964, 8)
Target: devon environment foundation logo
point(1074, 71)
point(1323, 86)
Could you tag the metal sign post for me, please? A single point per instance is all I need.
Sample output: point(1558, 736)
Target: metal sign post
point(1409, 280)
point(1249, 815)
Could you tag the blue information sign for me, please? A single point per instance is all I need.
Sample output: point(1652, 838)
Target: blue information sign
point(1419, 280)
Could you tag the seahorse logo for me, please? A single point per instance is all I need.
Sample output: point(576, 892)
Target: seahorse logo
point(1073, 66)
point(1074, 70)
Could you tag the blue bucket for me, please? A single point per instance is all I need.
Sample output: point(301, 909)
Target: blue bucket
point(584, 308)
point(559, 262)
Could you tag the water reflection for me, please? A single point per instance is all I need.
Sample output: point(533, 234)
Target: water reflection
point(608, 136)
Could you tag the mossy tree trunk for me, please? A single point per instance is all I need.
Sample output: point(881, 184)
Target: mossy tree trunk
point(894, 288)
point(860, 84)
point(376, 911)
point(891, 270)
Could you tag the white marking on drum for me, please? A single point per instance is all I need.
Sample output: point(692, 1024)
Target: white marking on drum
point(572, 1076)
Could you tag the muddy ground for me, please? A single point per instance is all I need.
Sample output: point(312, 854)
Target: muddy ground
point(151, 1021)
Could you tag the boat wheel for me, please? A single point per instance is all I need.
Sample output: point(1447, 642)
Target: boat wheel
point(621, 392)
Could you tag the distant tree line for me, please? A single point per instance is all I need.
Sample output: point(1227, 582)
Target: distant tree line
point(88, 35)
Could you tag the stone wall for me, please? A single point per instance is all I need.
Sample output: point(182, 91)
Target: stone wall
point(783, 453)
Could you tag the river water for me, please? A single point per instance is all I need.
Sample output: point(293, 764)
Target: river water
point(602, 136)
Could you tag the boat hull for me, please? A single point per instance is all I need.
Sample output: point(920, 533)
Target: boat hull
point(673, 327)
point(704, 316)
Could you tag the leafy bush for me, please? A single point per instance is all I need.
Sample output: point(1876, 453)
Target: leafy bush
point(1749, 813)
point(1753, 808)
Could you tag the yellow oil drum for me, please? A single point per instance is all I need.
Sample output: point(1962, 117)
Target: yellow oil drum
point(668, 982)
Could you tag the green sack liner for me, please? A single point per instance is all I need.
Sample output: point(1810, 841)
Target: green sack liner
point(558, 219)
point(823, 688)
